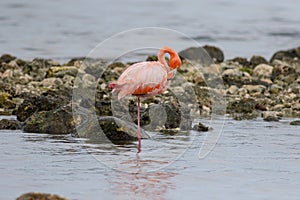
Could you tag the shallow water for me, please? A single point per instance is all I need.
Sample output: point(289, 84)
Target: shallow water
point(65, 29)
point(252, 160)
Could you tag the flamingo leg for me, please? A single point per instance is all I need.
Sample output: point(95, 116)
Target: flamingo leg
point(139, 127)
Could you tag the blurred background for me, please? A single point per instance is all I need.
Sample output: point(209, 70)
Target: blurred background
point(62, 29)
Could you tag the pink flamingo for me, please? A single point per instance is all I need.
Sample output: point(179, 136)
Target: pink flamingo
point(146, 79)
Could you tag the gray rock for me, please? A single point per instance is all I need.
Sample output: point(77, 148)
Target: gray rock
point(215, 53)
point(263, 71)
point(232, 89)
point(255, 88)
point(6, 58)
point(197, 54)
point(286, 54)
point(242, 61)
point(270, 116)
point(256, 60)
point(51, 82)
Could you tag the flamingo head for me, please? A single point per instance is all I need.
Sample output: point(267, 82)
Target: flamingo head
point(175, 62)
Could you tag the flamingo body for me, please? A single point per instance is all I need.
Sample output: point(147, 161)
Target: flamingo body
point(146, 79)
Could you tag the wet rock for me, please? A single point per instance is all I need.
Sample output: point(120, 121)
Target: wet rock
point(263, 71)
point(59, 121)
point(295, 123)
point(6, 58)
point(106, 128)
point(39, 196)
point(200, 127)
point(47, 101)
point(6, 101)
point(256, 60)
point(215, 53)
point(118, 130)
point(286, 54)
point(270, 116)
point(9, 124)
point(245, 105)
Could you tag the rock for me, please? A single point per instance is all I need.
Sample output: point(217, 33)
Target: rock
point(73, 61)
point(286, 54)
point(258, 89)
point(284, 72)
point(113, 71)
point(242, 108)
point(61, 71)
point(108, 127)
point(295, 123)
point(256, 60)
point(247, 70)
point(236, 77)
point(261, 107)
point(5, 112)
point(200, 127)
point(47, 101)
point(51, 82)
point(88, 81)
point(118, 130)
point(197, 54)
point(263, 71)
point(270, 116)
point(246, 105)
point(37, 69)
point(232, 89)
point(7, 88)
point(6, 58)
point(6, 101)
point(58, 121)
point(40, 196)
point(152, 58)
point(242, 61)
point(215, 53)
point(9, 124)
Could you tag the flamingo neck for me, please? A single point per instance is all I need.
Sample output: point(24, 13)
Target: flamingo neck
point(161, 56)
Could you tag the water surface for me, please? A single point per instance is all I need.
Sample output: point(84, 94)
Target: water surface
point(252, 160)
point(65, 29)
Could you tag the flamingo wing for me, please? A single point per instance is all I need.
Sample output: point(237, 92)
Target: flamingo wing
point(144, 78)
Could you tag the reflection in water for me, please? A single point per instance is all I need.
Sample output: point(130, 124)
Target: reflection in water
point(153, 185)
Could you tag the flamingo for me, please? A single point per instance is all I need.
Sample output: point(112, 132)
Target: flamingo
point(146, 79)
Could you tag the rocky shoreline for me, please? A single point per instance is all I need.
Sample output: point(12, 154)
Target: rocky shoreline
point(39, 92)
